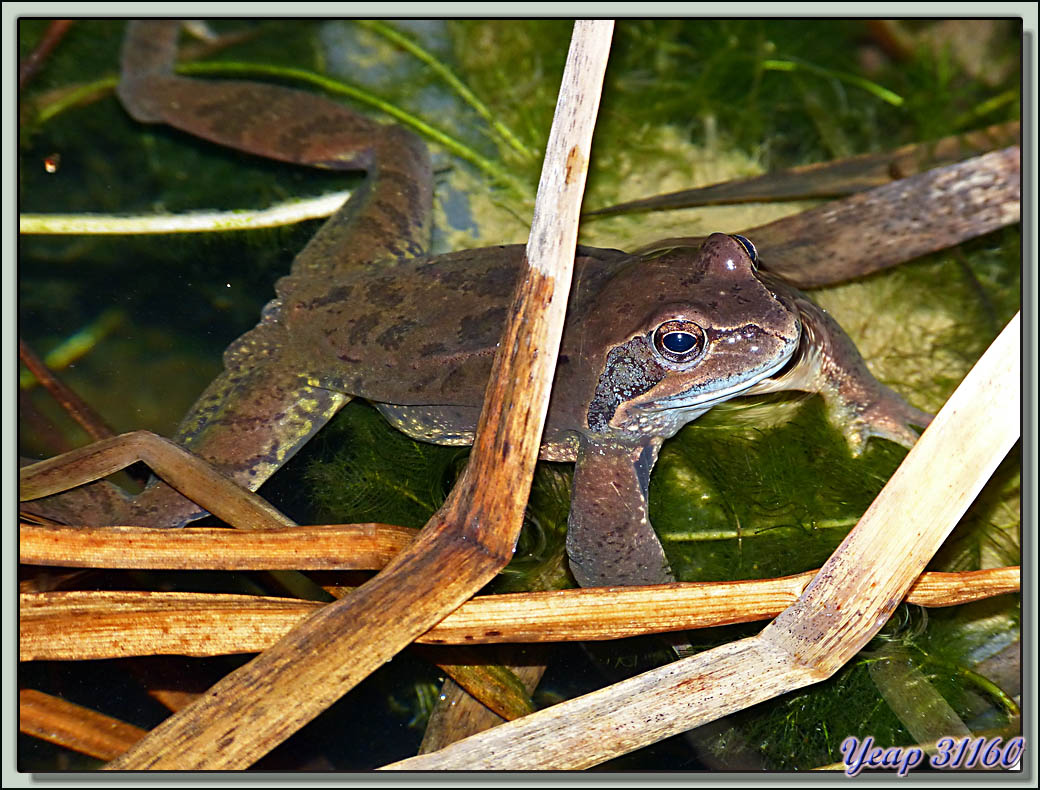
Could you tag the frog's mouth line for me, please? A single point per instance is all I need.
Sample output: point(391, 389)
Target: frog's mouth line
point(684, 401)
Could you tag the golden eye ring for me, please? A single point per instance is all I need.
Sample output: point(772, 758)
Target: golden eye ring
point(679, 341)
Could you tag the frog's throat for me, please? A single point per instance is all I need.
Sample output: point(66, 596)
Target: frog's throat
point(684, 400)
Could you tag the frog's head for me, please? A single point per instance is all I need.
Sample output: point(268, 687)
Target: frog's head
point(681, 330)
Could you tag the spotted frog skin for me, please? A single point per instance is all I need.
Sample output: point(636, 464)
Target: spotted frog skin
point(652, 340)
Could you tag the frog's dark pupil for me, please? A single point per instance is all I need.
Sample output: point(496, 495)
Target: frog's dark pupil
point(679, 342)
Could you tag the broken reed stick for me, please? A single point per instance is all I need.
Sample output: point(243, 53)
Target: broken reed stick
point(78, 409)
point(836, 178)
point(872, 230)
point(329, 547)
point(866, 232)
point(846, 604)
point(73, 726)
point(468, 540)
point(82, 625)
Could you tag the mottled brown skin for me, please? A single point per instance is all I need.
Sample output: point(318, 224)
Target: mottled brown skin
point(365, 312)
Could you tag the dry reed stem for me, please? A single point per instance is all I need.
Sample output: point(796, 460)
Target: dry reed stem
point(88, 625)
point(329, 547)
point(73, 726)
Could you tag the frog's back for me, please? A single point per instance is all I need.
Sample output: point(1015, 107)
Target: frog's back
point(419, 331)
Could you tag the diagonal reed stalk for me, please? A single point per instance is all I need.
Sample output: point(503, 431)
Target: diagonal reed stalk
point(468, 540)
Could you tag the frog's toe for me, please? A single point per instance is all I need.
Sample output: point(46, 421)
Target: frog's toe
point(895, 420)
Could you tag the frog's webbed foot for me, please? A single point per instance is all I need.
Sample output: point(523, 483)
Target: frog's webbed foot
point(888, 416)
point(104, 504)
point(829, 363)
point(609, 537)
point(95, 504)
point(188, 479)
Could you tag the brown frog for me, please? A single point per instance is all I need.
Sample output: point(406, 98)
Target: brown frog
point(653, 340)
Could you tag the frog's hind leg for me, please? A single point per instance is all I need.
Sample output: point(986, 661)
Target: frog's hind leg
point(829, 363)
point(261, 410)
point(247, 424)
point(387, 218)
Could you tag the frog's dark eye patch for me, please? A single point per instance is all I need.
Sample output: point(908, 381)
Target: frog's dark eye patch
point(679, 341)
point(748, 247)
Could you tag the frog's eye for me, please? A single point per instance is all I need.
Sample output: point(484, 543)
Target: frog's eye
point(748, 247)
point(679, 341)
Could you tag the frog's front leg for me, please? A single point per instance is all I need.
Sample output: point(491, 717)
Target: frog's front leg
point(609, 537)
point(829, 363)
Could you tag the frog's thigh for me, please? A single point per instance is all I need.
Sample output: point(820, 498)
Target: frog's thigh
point(450, 425)
point(609, 536)
point(388, 216)
point(260, 410)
